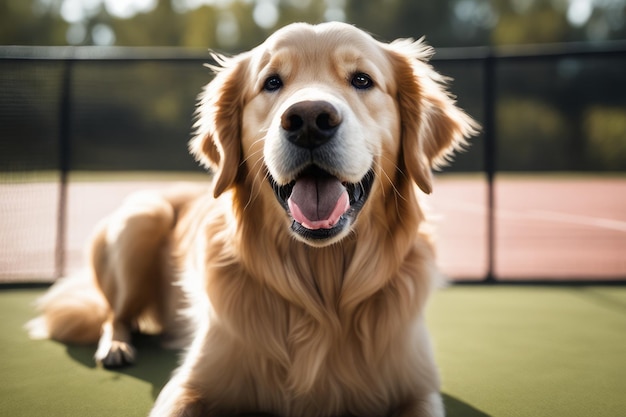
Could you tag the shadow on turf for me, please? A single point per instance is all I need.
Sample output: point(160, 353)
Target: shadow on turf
point(155, 365)
point(601, 299)
point(458, 408)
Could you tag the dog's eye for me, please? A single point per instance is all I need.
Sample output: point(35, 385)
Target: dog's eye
point(362, 81)
point(272, 83)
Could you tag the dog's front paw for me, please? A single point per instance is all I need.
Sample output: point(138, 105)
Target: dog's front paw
point(115, 354)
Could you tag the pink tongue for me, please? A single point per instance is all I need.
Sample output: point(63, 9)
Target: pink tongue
point(318, 203)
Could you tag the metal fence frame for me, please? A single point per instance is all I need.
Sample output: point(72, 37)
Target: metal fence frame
point(488, 57)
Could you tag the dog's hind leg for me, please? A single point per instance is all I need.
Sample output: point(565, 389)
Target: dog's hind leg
point(129, 260)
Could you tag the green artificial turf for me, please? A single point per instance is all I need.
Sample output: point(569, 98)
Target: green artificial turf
point(502, 351)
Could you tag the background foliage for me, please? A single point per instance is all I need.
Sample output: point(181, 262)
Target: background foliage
point(240, 24)
point(562, 114)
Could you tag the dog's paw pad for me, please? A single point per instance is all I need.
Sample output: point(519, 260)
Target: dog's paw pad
point(119, 354)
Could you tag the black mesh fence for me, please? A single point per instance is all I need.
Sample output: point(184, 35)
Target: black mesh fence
point(539, 189)
point(67, 118)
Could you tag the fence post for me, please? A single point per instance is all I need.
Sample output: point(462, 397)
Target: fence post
point(65, 111)
point(489, 127)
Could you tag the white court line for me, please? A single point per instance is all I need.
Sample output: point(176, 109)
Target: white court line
point(544, 215)
point(602, 223)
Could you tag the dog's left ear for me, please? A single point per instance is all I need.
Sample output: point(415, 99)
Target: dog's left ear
point(217, 141)
point(433, 127)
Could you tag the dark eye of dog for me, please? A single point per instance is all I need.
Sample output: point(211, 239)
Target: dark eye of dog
point(272, 83)
point(362, 81)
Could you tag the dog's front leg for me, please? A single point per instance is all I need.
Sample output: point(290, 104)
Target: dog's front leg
point(115, 348)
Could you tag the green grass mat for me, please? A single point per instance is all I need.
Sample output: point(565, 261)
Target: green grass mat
point(502, 351)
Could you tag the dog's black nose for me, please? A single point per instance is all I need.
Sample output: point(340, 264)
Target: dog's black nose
point(310, 124)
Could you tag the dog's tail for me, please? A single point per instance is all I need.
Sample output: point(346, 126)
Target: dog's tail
point(72, 311)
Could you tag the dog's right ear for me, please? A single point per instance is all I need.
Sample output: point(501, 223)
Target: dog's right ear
point(217, 140)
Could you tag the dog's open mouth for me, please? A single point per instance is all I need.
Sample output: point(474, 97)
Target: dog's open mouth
point(320, 204)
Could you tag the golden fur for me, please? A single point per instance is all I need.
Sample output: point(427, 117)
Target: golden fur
point(276, 322)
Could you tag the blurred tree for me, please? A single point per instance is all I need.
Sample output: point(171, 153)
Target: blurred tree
point(528, 21)
point(160, 27)
point(239, 24)
point(443, 23)
point(606, 129)
point(26, 22)
point(198, 28)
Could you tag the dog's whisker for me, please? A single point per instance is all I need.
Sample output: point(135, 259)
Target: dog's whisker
point(256, 186)
point(258, 167)
point(393, 185)
point(257, 183)
point(262, 138)
point(252, 153)
point(396, 193)
point(397, 168)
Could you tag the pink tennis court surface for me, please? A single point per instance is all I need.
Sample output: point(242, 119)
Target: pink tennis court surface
point(547, 227)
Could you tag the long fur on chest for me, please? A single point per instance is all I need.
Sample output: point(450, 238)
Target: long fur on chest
point(292, 326)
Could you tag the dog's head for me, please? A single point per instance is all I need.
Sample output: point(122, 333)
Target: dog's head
point(327, 117)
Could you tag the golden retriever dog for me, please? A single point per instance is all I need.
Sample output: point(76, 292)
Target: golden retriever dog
point(298, 284)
